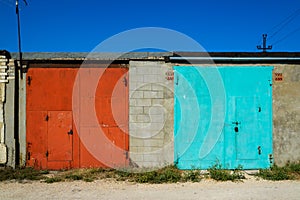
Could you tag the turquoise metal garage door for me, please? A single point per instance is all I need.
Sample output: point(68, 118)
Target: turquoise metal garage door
point(223, 116)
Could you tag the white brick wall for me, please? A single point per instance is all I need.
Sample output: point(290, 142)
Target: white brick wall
point(3, 80)
point(150, 114)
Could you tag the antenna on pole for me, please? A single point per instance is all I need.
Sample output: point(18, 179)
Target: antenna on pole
point(264, 48)
point(19, 36)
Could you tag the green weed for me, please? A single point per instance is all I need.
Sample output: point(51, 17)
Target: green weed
point(192, 175)
point(288, 172)
point(53, 180)
point(217, 173)
point(21, 174)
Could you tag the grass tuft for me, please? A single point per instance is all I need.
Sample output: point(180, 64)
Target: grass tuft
point(217, 173)
point(192, 175)
point(53, 179)
point(21, 174)
point(288, 172)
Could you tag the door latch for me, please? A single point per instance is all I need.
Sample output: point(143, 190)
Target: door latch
point(259, 150)
point(70, 132)
point(236, 128)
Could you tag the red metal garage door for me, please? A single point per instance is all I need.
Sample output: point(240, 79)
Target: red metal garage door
point(52, 139)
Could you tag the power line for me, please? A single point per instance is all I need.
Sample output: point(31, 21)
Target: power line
point(284, 23)
point(10, 3)
point(286, 36)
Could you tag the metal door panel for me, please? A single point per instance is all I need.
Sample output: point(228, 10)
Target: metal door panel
point(111, 106)
point(49, 90)
point(246, 138)
point(60, 136)
point(36, 139)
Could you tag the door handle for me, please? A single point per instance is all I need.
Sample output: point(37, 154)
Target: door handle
point(236, 129)
point(236, 123)
point(70, 132)
point(259, 150)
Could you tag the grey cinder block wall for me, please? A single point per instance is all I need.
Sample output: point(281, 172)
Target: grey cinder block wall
point(150, 114)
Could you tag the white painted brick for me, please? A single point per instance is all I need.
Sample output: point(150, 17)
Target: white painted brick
point(157, 101)
point(136, 142)
point(132, 102)
point(2, 92)
point(157, 126)
point(150, 78)
point(132, 118)
point(137, 78)
point(137, 94)
point(149, 142)
point(160, 135)
point(133, 86)
point(146, 109)
point(153, 142)
point(3, 153)
point(146, 149)
point(132, 71)
point(156, 110)
point(156, 70)
point(143, 118)
point(153, 94)
point(133, 149)
point(136, 110)
point(158, 118)
point(137, 157)
point(143, 102)
point(157, 87)
point(144, 87)
point(144, 70)
point(151, 157)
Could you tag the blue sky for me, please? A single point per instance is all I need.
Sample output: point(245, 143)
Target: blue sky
point(218, 25)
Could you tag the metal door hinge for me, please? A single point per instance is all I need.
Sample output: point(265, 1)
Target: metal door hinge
point(47, 154)
point(47, 118)
point(271, 158)
point(28, 155)
point(29, 80)
point(125, 81)
point(177, 80)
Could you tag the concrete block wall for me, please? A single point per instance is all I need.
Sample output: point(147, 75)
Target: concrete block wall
point(286, 114)
point(151, 114)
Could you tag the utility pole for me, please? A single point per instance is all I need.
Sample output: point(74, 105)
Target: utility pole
point(18, 66)
point(264, 48)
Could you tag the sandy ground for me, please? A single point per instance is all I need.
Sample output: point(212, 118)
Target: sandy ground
point(109, 189)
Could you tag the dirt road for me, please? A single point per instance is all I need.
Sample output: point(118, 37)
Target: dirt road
point(109, 189)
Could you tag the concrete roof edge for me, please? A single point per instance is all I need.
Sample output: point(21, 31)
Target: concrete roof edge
point(91, 56)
